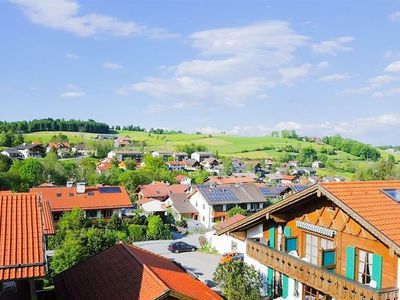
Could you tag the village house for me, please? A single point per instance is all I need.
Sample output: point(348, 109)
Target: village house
point(239, 178)
point(225, 243)
point(152, 206)
point(181, 207)
point(318, 164)
point(94, 201)
point(82, 150)
point(162, 154)
point(129, 272)
point(303, 171)
point(106, 137)
point(214, 201)
point(176, 165)
point(182, 179)
point(121, 155)
point(160, 190)
point(209, 164)
point(238, 166)
point(180, 156)
point(288, 179)
point(200, 156)
point(192, 165)
point(62, 149)
point(104, 165)
point(330, 241)
point(25, 151)
point(123, 142)
point(25, 224)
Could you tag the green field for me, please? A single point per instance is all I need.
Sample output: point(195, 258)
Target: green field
point(252, 148)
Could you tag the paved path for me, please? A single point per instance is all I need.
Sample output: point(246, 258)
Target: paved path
point(202, 264)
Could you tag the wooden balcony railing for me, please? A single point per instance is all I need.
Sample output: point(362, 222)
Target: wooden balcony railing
point(331, 284)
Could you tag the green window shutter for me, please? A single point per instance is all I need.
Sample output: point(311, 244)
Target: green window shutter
point(285, 286)
point(287, 231)
point(270, 281)
point(291, 244)
point(377, 270)
point(272, 237)
point(350, 262)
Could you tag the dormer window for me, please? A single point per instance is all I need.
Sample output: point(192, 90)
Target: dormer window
point(71, 194)
point(392, 193)
point(58, 195)
point(90, 193)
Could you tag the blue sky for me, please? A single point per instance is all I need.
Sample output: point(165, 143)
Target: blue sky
point(244, 67)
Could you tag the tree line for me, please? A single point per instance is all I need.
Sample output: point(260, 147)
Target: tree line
point(352, 147)
point(50, 124)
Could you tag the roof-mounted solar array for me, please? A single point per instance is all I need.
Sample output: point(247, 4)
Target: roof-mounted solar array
point(109, 189)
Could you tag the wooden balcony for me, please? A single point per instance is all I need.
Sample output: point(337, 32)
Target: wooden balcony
point(331, 284)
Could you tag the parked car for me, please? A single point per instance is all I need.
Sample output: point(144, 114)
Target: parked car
point(227, 257)
point(178, 247)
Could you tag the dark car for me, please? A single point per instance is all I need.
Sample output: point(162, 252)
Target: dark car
point(178, 247)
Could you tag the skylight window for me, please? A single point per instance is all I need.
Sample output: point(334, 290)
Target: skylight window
point(392, 193)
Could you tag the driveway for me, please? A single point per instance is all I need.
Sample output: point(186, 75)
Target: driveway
point(202, 264)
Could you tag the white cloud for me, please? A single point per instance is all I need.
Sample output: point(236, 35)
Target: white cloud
point(376, 86)
point(235, 65)
point(71, 56)
point(65, 15)
point(393, 67)
point(347, 128)
point(111, 66)
point(322, 65)
point(334, 77)
point(72, 94)
point(395, 17)
point(332, 47)
point(74, 91)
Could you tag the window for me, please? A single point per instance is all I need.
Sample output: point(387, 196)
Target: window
point(58, 195)
point(90, 193)
point(204, 218)
point(107, 213)
point(196, 204)
point(313, 294)
point(91, 214)
point(204, 206)
point(218, 207)
point(71, 194)
point(312, 247)
point(233, 246)
point(364, 270)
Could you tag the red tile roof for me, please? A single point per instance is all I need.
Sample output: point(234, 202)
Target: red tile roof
point(179, 178)
point(161, 189)
point(67, 198)
point(367, 199)
point(58, 145)
point(289, 177)
point(129, 272)
point(21, 236)
point(230, 221)
point(231, 179)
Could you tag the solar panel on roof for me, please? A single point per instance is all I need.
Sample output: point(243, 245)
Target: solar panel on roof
point(267, 191)
point(216, 194)
point(110, 189)
point(298, 188)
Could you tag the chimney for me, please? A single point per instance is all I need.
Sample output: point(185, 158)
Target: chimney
point(80, 187)
point(70, 184)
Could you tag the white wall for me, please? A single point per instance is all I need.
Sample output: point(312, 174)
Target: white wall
point(152, 206)
point(255, 232)
point(205, 212)
point(223, 243)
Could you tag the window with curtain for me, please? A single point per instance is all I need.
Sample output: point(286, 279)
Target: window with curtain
point(365, 259)
point(313, 246)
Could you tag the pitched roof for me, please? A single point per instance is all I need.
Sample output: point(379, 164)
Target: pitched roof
point(231, 179)
point(365, 201)
point(179, 178)
point(128, 272)
point(230, 221)
point(182, 204)
point(162, 189)
point(368, 200)
point(231, 194)
point(66, 198)
point(58, 145)
point(21, 236)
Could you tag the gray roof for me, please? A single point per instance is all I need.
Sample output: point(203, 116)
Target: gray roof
point(231, 194)
point(28, 146)
point(182, 204)
point(12, 151)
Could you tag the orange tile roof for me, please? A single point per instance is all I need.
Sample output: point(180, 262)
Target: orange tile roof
point(368, 201)
point(21, 236)
point(231, 179)
point(161, 189)
point(59, 145)
point(179, 178)
point(67, 198)
point(230, 221)
point(289, 177)
point(129, 272)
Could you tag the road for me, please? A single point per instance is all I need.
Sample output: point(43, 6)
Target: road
point(202, 264)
